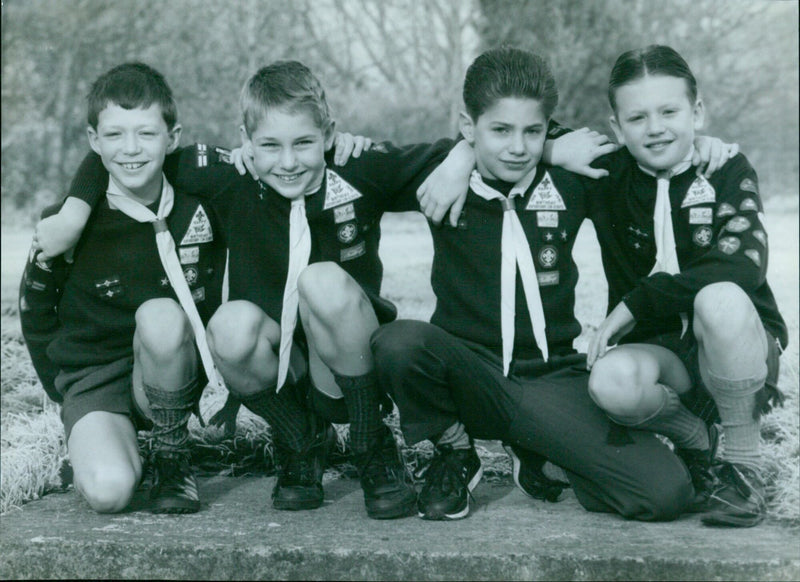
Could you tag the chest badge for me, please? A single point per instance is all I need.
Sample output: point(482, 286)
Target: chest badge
point(700, 192)
point(725, 209)
point(199, 230)
point(548, 256)
point(737, 224)
point(190, 274)
point(546, 196)
point(702, 236)
point(344, 213)
point(729, 244)
point(347, 233)
point(338, 191)
point(701, 216)
point(748, 204)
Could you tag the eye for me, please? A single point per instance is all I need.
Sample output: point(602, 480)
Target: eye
point(533, 131)
point(635, 118)
point(268, 146)
point(111, 134)
point(305, 142)
point(500, 130)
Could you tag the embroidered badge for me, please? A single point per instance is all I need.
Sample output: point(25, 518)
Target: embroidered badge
point(351, 253)
point(760, 236)
point(547, 278)
point(109, 287)
point(700, 192)
point(748, 204)
point(633, 229)
point(748, 185)
point(189, 255)
point(164, 281)
point(344, 213)
point(190, 274)
point(729, 244)
point(199, 230)
point(725, 209)
point(548, 236)
point(199, 294)
point(545, 196)
point(223, 155)
point(563, 235)
point(701, 216)
point(379, 147)
point(338, 191)
point(347, 233)
point(754, 256)
point(547, 219)
point(36, 285)
point(737, 224)
point(548, 256)
point(702, 236)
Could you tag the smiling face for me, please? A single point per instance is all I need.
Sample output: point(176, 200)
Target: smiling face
point(656, 120)
point(508, 138)
point(289, 151)
point(132, 144)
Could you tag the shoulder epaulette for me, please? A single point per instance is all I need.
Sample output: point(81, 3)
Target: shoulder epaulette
point(206, 155)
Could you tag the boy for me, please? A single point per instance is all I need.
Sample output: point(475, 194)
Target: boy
point(112, 335)
point(709, 264)
point(287, 127)
point(479, 371)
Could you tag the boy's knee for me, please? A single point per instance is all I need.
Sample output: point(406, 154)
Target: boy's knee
point(723, 310)
point(396, 344)
point(665, 499)
point(235, 328)
point(329, 291)
point(108, 489)
point(162, 327)
point(616, 382)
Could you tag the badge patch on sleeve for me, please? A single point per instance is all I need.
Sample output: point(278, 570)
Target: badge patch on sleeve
point(702, 236)
point(189, 255)
point(754, 256)
point(547, 278)
point(701, 216)
point(749, 185)
point(338, 191)
point(725, 209)
point(700, 192)
point(344, 213)
point(729, 244)
point(351, 253)
point(545, 196)
point(199, 230)
point(748, 204)
point(760, 236)
point(737, 224)
point(547, 219)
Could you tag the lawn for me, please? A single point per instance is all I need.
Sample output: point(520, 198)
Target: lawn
point(32, 438)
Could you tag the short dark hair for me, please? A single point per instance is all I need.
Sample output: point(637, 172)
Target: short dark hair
point(655, 59)
point(288, 84)
point(508, 72)
point(132, 85)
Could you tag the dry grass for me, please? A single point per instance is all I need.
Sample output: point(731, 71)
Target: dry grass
point(32, 437)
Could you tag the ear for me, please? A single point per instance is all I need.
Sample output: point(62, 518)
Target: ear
point(699, 114)
point(174, 138)
point(328, 135)
point(93, 139)
point(243, 135)
point(612, 121)
point(467, 127)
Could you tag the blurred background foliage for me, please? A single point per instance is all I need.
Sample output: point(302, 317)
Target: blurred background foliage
point(392, 68)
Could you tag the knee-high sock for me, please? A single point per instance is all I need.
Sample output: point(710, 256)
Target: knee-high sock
point(170, 411)
point(363, 399)
point(288, 420)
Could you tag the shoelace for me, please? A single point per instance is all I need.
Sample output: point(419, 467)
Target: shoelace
point(446, 469)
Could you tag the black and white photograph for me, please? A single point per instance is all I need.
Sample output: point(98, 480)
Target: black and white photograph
point(400, 290)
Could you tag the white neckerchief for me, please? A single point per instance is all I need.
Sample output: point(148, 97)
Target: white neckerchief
point(666, 254)
point(515, 252)
point(169, 260)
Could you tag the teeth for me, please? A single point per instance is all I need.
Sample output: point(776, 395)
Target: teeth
point(133, 165)
point(288, 178)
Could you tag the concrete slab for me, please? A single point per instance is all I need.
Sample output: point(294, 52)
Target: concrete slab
point(238, 535)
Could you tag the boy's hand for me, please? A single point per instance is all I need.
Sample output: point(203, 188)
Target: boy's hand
point(711, 153)
point(619, 322)
point(242, 158)
point(57, 234)
point(446, 187)
point(576, 150)
point(347, 144)
point(225, 417)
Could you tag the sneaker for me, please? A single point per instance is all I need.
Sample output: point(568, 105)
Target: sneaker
point(699, 463)
point(174, 488)
point(299, 483)
point(528, 472)
point(388, 492)
point(449, 481)
point(739, 499)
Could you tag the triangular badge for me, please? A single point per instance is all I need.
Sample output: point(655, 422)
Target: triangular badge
point(545, 196)
point(700, 192)
point(338, 191)
point(199, 230)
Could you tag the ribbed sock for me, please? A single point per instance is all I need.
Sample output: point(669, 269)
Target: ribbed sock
point(288, 420)
point(363, 399)
point(456, 436)
point(170, 411)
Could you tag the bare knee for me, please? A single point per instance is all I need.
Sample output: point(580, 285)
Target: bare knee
point(616, 383)
point(723, 313)
point(108, 489)
point(162, 327)
point(235, 328)
point(329, 291)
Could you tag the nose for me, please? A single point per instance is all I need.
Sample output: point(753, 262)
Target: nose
point(131, 144)
point(517, 144)
point(288, 159)
point(655, 124)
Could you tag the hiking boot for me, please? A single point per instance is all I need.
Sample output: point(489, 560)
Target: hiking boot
point(528, 472)
point(299, 483)
point(388, 492)
point(450, 479)
point(739, 499)
point(699, 463)
point(174, 487)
